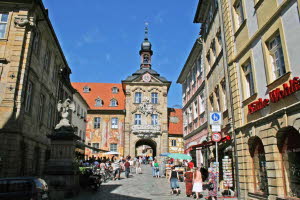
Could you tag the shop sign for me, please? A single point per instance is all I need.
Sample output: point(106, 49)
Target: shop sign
point(258, 105)
point(275, 95)
point(288, 89)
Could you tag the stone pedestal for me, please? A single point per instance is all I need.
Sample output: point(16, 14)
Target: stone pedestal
point(62, 172)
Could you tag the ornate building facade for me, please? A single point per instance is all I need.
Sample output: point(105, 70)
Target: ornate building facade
point(124, 117)
point(34, 75)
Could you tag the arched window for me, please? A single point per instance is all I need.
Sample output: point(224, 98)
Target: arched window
point(257, 152)
point(98, 102)
point(288, 141)
point(113, 103)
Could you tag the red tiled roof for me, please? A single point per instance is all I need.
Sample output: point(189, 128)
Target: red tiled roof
point(175, 128)
point(104, 92)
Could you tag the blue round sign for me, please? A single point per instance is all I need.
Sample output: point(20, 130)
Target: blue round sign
point(215, 117)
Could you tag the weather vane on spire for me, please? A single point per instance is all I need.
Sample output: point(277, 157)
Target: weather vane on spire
point(146, 30)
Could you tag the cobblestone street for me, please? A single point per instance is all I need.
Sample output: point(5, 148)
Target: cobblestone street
point(137, 187)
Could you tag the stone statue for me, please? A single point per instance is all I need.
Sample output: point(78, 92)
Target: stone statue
point(63, 109)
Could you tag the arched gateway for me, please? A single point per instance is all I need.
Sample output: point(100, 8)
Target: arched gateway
point(146, 120)
point(147, 143)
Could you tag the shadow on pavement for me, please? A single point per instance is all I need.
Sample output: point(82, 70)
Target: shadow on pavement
point(105, 192)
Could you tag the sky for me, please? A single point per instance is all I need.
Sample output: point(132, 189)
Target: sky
point(101, 39)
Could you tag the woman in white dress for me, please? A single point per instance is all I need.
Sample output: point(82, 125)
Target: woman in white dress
point(197, 186)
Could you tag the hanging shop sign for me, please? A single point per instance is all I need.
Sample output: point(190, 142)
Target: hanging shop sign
point(227, 172)
point(275, 95)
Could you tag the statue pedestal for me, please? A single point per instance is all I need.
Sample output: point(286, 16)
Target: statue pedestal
point(61, 172)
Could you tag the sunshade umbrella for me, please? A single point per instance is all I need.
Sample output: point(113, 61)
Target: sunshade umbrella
point(112, 153)
point(164, 154)
point(180, 156)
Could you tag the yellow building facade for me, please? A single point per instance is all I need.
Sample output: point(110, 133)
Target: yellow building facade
point(262, 43)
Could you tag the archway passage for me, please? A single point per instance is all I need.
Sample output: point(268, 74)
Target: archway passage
point(147, 142)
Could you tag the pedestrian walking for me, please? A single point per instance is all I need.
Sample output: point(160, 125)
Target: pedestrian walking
point(212, 180)
point(116, 169)
point(153, 169)
point(127, 168)
point(156, 166)
point(197, 185)
point(188, 179)
point(173, 179)
point(138, 169)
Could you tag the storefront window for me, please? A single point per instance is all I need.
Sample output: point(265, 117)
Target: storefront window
point(291, 163)
point(260, 170)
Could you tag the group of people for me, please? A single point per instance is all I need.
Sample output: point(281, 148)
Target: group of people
point(194, 182)
point(116, 165)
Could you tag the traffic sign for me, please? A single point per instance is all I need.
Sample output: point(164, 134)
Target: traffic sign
point(216, 128)
point(215, 118)
point(216, 137)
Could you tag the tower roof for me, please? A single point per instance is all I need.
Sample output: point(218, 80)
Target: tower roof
point(146, 44)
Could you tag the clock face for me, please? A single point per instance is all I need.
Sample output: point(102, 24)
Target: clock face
point(146, 77)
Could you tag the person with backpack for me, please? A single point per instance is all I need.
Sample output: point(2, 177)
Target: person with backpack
point(156, 167)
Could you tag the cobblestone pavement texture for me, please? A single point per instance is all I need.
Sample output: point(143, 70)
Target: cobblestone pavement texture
point(136, 187)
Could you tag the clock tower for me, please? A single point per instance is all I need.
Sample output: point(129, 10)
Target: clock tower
point(146, 93)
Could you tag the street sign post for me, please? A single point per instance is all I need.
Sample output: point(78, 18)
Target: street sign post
point(215, 128)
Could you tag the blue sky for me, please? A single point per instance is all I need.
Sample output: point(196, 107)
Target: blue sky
point(101, 38)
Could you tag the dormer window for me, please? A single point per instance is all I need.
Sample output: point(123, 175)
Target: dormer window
point(86, 89)
point(115, 90)
point(98, 102)
point(113, 103)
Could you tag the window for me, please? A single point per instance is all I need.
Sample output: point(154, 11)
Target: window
point(138, 97)
point(78, 110)
point(276, 56)
point(95, 145)
point(36, 42)
point(239, 13)
point(289, 145)
point(137, 119)
point(154, 119)
point(114, 122)
point(249, 83)
point(98, 102)
point(47, 59)
point(195, 109)
point(199, 67)
point(41, 108)
point(28, 97)
point(113, 103)
point(223, 85)
point(115, 90)
point(190, 114)
point(50, 116)
point(97, 122)
point(173, 143)
point(194, 74)
point(208, 57)
point(113, 147)
point(211, 99)
point(202, 102)
point(86, 89)
point(219, 38)
point(213, 48)
point(146, 59)
point(154, 98)
point(185, 119)
point(3, 24)
point(260, 170)
point(218, 98)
